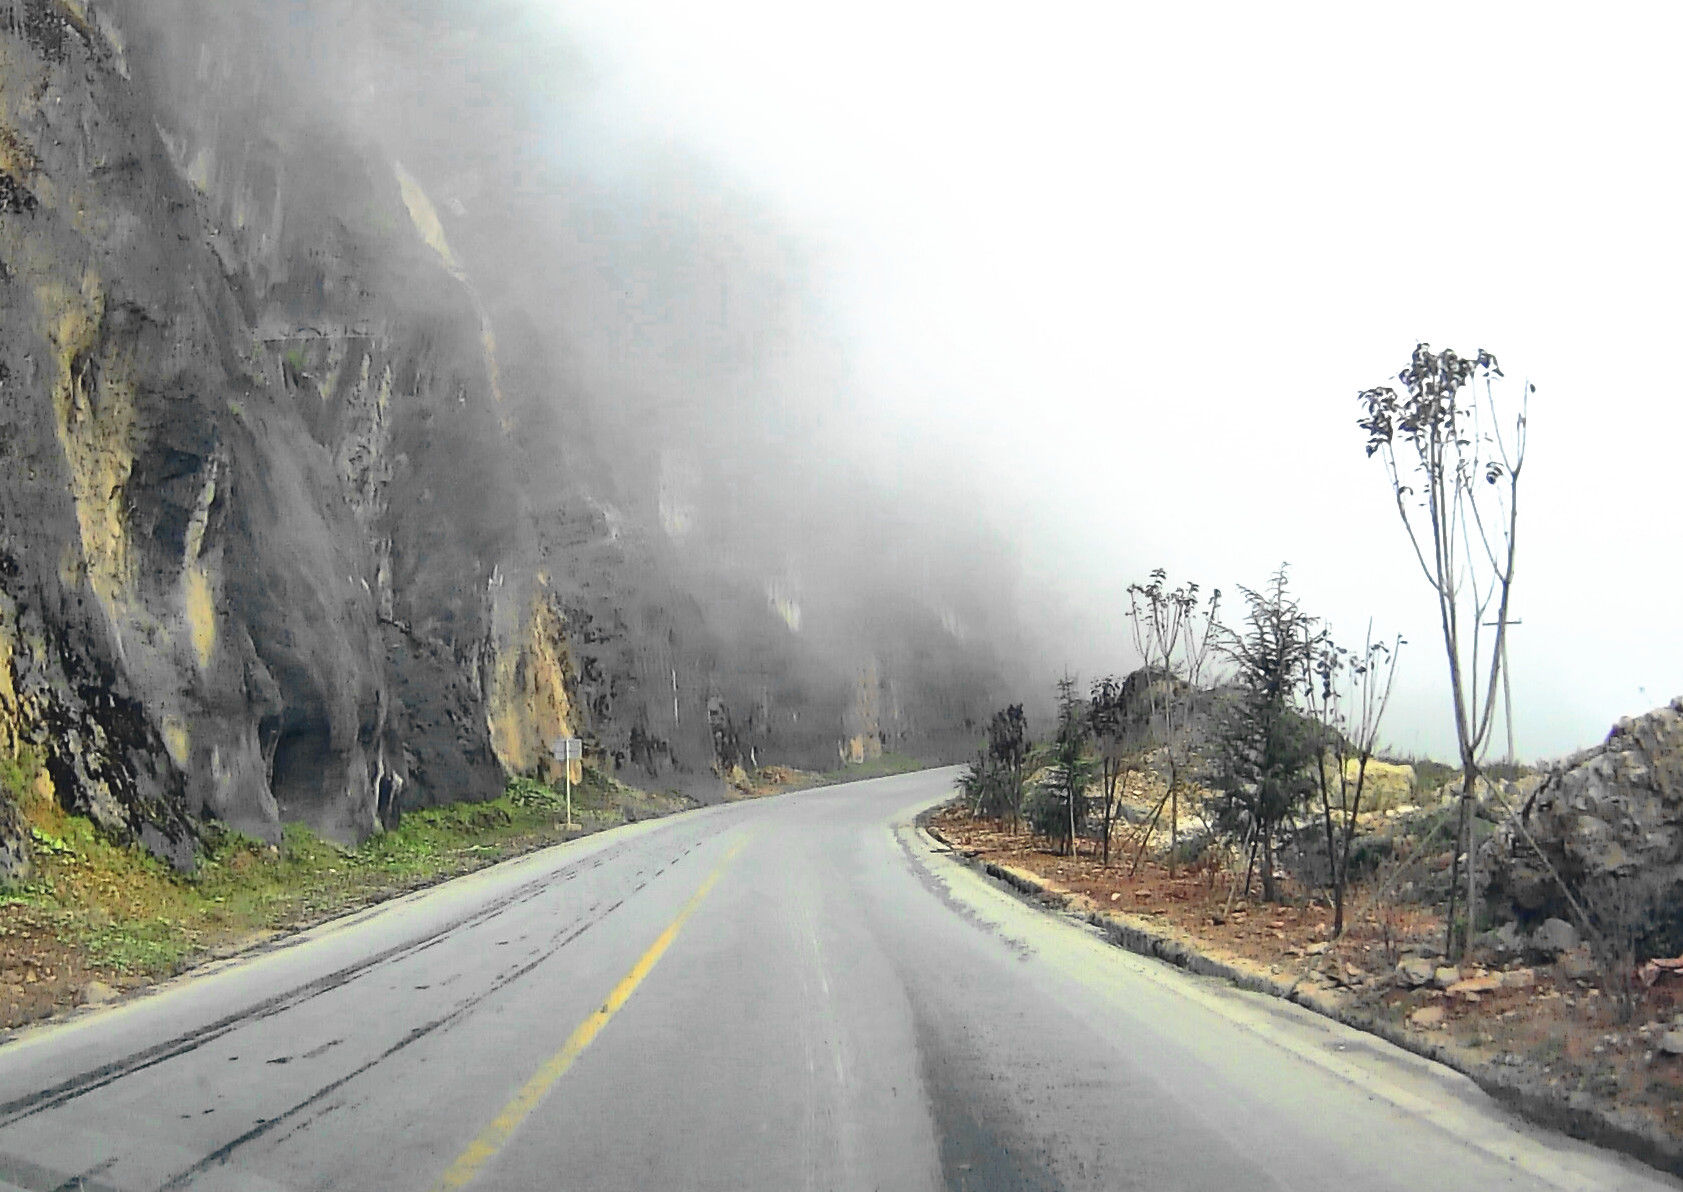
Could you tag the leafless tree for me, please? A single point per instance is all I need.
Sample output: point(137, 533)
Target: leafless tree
point(1454, 461)
point(1175, 633)
point(1346, 693)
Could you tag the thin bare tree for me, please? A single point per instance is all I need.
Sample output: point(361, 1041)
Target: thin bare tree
point(1454, 461)
point(1346, 692)
point(1175, 633)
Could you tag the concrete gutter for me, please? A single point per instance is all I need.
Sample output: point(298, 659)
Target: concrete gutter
point(1574, 1113)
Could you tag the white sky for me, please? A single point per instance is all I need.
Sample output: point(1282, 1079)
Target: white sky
point(1137, 260)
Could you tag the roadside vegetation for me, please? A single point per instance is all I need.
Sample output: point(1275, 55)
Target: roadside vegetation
point(95, 918)
point(1233, 792)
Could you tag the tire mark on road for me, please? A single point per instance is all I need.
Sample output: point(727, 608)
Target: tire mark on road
point(99, 1077)
point(222, 1154)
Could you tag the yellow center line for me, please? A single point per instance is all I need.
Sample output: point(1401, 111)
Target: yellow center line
point(495, 1136)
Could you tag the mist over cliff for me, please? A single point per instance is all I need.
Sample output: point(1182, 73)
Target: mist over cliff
point(372, 414)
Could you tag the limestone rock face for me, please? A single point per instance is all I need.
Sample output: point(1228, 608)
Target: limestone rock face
point(287, 532)
point(1609, 820)
point(228, 410)
point(1385, 785)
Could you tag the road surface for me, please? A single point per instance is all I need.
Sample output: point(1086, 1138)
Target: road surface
point(796, 993)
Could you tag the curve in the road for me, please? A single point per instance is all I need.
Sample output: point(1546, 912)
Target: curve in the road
point(794, 993)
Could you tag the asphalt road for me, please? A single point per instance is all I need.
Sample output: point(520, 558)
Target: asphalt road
point(797, 993)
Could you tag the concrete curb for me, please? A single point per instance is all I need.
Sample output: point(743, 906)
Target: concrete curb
point(1574, 1114)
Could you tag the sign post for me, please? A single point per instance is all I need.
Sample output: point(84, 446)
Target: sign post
point(566, 751)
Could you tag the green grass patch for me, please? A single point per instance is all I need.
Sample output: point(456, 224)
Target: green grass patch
point(125, 912)
point(147, 949)
point(17, 774)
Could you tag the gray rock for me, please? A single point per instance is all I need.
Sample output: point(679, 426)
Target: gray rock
point(1577, 965)
point(97, 993)
point(1445, 976)
point(1415, 971)
point(1427, 1017)
point(1611, 820)
point(1554, 937)
point(1501, 945)
point(1671, 1043)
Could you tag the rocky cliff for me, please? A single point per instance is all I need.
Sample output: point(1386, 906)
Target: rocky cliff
point(281, 531)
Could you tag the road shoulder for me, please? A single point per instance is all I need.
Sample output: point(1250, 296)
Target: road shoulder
point(1573, 1114)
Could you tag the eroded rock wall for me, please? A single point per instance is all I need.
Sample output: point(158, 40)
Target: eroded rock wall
point(283, 535)
point(236, 383)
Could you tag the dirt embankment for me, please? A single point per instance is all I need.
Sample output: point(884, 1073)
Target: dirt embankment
point(1546, 1036)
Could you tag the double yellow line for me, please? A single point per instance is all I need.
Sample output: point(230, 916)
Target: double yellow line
point(495, 1136)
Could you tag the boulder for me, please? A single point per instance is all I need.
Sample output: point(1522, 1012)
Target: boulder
point(1609, 822)
point(1554, 937)
point(1577, 965)
point(1671, 1043)
point(97, 993)
point(1427, 1017)
point(1501, 944)
point(1445, 975)
point(1489, 983)
point(1415, 971)
point(1519, 979)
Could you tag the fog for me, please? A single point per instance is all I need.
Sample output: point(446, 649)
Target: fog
point(994, 310)
point(1133, 264)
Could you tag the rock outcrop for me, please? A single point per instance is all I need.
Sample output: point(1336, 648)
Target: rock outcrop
point(1609, 823)
point(279, 537)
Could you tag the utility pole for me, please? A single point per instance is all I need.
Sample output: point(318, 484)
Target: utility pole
point(1507, 687)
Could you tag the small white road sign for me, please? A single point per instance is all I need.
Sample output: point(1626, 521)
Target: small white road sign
point(567, 749)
